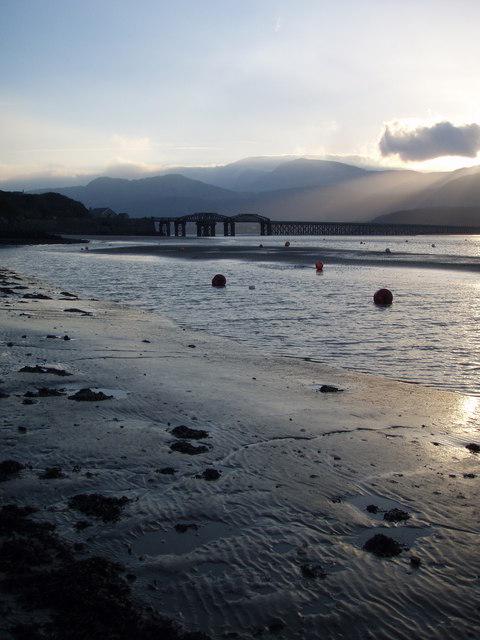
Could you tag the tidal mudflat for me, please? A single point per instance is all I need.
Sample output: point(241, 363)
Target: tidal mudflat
point(217, 488)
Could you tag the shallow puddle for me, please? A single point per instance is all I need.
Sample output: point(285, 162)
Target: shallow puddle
point(403, 534)
point(361, 502)
point(155, 543)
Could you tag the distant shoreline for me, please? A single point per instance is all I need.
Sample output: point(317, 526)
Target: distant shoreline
point(25, 239)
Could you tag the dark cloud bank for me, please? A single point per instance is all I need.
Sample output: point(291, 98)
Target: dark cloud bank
point(424, 143)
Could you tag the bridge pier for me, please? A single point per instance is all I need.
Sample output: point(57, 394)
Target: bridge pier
point(180, 229)
point(206, 229)
point(163, 227)
point(265, 229)
point(229, 228)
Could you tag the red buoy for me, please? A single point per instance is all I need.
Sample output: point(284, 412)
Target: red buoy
point(319, 265)
point(219, 280)
point(383, 297)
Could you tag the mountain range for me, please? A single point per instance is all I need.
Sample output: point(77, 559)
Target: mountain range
point(286, 188)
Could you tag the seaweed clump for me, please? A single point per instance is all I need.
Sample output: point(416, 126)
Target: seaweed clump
point(52, 473)
point(10, 469)
point(186, 433)
point(105, 508)
point(86, 598)
point(182, 446)
point(383, 546)
point(87, 395)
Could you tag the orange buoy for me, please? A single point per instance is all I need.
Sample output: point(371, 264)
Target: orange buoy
point(219, 280)
point(287, 243)
point(383, 297)
point(319, 265)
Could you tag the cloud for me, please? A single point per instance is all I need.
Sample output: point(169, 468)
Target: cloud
point(427, 142)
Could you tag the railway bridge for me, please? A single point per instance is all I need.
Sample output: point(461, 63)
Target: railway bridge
point(206, 223)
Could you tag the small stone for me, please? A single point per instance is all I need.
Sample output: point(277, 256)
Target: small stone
point(328, 388)
point(473, 447)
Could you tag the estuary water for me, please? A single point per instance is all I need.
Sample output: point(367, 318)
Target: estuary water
point(430, 335)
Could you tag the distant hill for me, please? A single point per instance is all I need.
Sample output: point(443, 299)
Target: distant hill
point(303, 173)
point(158, 196)
point(462, 216)
point(235, 176)
point(16, 206)
point(32, 215)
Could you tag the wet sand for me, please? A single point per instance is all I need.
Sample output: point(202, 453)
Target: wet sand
point(251, 520)
point(296, 255)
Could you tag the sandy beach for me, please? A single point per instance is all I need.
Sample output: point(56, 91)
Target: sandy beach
point(256, 518)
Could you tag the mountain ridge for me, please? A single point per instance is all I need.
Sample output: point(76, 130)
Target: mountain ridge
point(299, 188)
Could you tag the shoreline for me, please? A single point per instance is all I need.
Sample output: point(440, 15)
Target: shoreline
point(280, 530)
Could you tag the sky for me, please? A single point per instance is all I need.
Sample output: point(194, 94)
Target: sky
point(121, 87)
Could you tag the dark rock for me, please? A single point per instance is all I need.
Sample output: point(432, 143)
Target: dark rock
point(65, 293)
point(372, 508)
point(210, 474)
point(36, 296)
point(312, 571)
point(396, 515)
point(415, 561)
point(52, 473)
point(469, 475)
point(192, 346)
point(167, 471)
point(328, 388)
point(81, 311)
point(29, 401)
point(4, 395)
point(383, 546)
point(45, 392)
point(105, 508)
point(276, 626)
point(182, 446)
point(66, 337)
point(87, 395)
point(473, 447)
point(7, 291)
point(51, 336)
point(187, 433)
point(146, 341)
point(22, 429)
point(183, 528)
point(10, 469)
point(39, 369)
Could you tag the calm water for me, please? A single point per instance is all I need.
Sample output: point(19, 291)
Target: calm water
point(430, 334)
